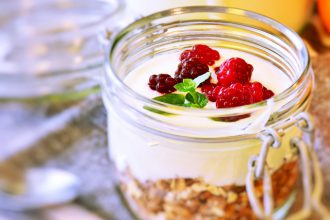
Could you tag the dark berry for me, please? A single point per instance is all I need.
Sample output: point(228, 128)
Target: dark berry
point(153, 80)
point(203, 53)
point(234, 70)
point(162, 83)
point(190, 68)
point(186, 54)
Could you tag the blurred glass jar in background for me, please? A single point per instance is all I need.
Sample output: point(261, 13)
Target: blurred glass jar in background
point(51, 48)
point(292, 13)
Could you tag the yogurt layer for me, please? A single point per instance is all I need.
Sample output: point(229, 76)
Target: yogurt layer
point(150, 156)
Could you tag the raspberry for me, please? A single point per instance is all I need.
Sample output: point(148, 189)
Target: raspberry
point(231, 96)
point(256, 92)
point(207, 89)
point(237, 94)
point(203, 53)
point(190, 68)
point(267, 93)
point(234, 70)
point(162, 83)
point(245, 90)
point(216, 91)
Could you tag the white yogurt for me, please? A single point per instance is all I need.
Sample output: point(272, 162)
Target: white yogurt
point(153, 157)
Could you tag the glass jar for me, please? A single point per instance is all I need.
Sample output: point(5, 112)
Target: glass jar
point(51, 49)
point(183, 163)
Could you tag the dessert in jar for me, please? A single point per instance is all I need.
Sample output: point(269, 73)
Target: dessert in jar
point(205, 116)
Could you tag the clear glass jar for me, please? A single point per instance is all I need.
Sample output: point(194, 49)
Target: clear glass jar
point(171, 165)
point(51, 47)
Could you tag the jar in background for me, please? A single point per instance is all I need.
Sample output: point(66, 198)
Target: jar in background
point(293, 13)
point(180, 163)
point(50, 49)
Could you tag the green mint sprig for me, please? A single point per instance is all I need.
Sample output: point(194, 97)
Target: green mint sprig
point(192, 98)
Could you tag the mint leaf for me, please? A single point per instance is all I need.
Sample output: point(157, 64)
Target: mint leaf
point(202, 78)
point(172, 98)
point(197, 100)
point(191, 99)
point(201, 100)
point(186, 85)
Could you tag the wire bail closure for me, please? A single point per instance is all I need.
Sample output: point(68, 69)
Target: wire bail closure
point(310, 168)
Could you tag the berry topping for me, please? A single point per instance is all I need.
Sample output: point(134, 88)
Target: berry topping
point(231, 96)
point(233, 87)
point(256, 91)
point(207, 89)
point(267, 93)
point(203, 53)
point(234, 70)
point(237, 94)
point(162, 83)
point(190, 68)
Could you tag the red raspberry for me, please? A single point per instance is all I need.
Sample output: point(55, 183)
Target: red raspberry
point(162, 83)
point(203, 53)
point(231, 96)
point(267, 93)
point(237, 94)
point(207, 89)
point(190, 68)
point(256, 92)
point(247, 92)
point(234, 70)
point(216, 91)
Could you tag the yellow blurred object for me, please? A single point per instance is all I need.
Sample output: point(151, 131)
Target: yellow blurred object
point(324, 11)
point(293, 13)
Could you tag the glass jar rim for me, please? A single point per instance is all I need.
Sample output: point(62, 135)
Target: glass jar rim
point(235, 11)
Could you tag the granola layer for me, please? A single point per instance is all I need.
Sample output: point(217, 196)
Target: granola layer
point(184, 198)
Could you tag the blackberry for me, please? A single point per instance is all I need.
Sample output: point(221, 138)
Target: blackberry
point(190, 68)
point(162, 83)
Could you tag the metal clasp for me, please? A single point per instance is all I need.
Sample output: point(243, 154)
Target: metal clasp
point(310, 168)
